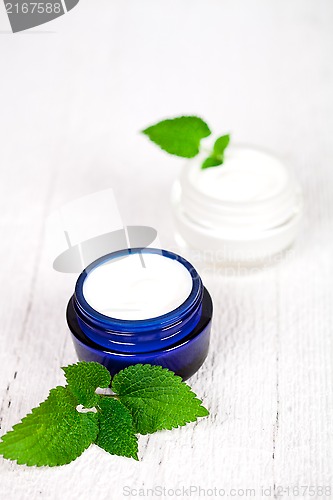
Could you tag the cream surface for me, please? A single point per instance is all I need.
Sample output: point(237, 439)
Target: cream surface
point(246, 175)
point(137, 287)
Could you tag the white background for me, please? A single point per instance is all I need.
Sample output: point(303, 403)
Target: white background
point(74, 93)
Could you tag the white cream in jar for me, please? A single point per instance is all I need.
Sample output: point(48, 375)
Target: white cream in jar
point(137, 287)
point(244, 210)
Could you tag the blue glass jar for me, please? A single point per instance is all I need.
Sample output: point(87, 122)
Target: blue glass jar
point(177, 340)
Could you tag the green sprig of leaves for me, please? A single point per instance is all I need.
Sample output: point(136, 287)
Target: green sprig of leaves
point(144, 399)
point(181, 136)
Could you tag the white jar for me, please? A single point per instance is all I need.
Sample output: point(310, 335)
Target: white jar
point(246, 210)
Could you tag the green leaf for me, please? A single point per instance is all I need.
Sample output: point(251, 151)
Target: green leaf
point(83, 378)
point(54, 433)
point(156, 398)
point(220, 145)
point(211, 161)
point(150, 398)
point(217, 156)
point(179, 136)
point(116, 432)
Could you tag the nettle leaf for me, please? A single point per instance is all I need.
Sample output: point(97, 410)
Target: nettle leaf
point(216, 158)
point(179, 136)
point(149, 398)
point(156, 398)
point(54, 433)
point(211, 161)
point(116, 433)
point(221, 144)
point(83, 378)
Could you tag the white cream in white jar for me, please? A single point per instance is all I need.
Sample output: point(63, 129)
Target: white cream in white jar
point(247, 209)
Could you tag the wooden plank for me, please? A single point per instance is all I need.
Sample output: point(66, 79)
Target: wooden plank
point(73, 101)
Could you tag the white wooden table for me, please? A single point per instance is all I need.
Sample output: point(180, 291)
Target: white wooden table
point(74, 94)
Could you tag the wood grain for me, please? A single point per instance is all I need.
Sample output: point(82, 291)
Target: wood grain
point(73, 100)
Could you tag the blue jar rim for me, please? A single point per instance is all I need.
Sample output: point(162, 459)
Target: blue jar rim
point(139, 335)
point(77, 332)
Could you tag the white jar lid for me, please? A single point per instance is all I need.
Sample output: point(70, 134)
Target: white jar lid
point(248, 208)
